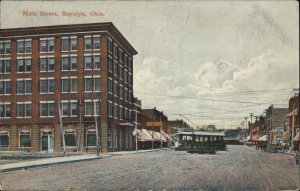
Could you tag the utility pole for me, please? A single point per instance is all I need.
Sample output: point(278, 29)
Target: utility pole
point(61, 128)
point(160, 134)
point(96, 127)
point(251, 127)
point(136, 138)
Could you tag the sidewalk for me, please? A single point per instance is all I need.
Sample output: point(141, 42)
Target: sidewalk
point(67, 159)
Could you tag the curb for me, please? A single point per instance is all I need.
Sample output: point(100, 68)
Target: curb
point(47, 164)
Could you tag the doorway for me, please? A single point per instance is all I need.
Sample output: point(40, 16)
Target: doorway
point(47, 142)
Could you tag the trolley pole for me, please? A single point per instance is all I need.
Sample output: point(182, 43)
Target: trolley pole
point(136, 140)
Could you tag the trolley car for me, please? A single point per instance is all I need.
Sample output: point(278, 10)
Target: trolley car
point(200, 142)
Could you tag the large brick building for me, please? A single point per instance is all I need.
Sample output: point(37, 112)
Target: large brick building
point(81, 72)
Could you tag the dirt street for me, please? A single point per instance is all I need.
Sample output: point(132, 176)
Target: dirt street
point(240, 168)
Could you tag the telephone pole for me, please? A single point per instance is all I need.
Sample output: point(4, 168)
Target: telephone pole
point(251, 127)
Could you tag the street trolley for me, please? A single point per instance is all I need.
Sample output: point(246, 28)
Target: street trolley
point(200, 142)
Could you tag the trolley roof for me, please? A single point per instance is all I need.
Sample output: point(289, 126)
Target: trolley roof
point(203, 133)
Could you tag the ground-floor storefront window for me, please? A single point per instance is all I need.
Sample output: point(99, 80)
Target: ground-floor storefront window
point(70, 138)
point(24, 138)
point(4, 139)
point(91, 138)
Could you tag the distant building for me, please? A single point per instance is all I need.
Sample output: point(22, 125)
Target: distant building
point(293, 115)
point(178, 125)
point(276, 120)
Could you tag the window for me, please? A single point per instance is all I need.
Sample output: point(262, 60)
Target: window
point(47, 108)
point(24, 139)
point(97, 62)
point(91, 138)
point(24, 46)
point(92, 83)
point(121, 92)
point(73, 43)
point(129, 63)
point(89, 109)
point(109, 45)
point(121, 113)
point(73, 63)
point(120, 72)
point(116, 110)
point(125, 76)
point(130, 97)
point(110, 109)
point(88, 63)
point(23, 109)
point(120, 54)
point(110, 64)
point(5, 110)
point(51, 45)
point(64, 44)
point(5, 66)
point(5, 47)
point(69, 85)
point(130, 79)
point(5, 87)
point(47, 64)
point(70, 138)
point(4, 139)
point(96, 42)
point(69, 63)
point(47, 45)
point(47, 85)
point(110, 86)
point(126, 113)
point(88, 43)
point(23, 86)
point(125, 59)
point(24, 65)
point(115, 50)
point(116, 68)
point(126, 94)
point(69, 108)
point(116, 88)
point(20, 45)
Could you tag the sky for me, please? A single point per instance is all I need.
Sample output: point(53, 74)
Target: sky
point(213, 62)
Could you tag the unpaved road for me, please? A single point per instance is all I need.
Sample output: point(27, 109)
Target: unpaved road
point(241, 168)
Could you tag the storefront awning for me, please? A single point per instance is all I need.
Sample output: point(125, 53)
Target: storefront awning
point(147, 134)
point(166, 136)
point(295, 112)
point(141, 136)
point(297, 137)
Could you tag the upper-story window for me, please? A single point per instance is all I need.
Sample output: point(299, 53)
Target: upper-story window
point(23, 65)
point(115, 50)
point(121, 92)
point(24, 46)
point(121, 72)
point(130, 79)
point(129, 63)
point(23, 109)
point(5, 47)
point(47, 44)
point(110, 45)
point(47, 108)
point(125, 76)
point(110, 64)
point(92, 42)
point(5, 87)
point(91, 62)
point(110, 109)
point(69, 85)
point(69, 63)
point(68, 44)
point(47, 85)
point(125, 59)
point(120, 54)
point(5, 109)
point(47, 64)
point(110, 86)
point(69, 108)
point(92, 83)
point(24, 86)
point(92, 107)
point(5, 66)
point(116, 68)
